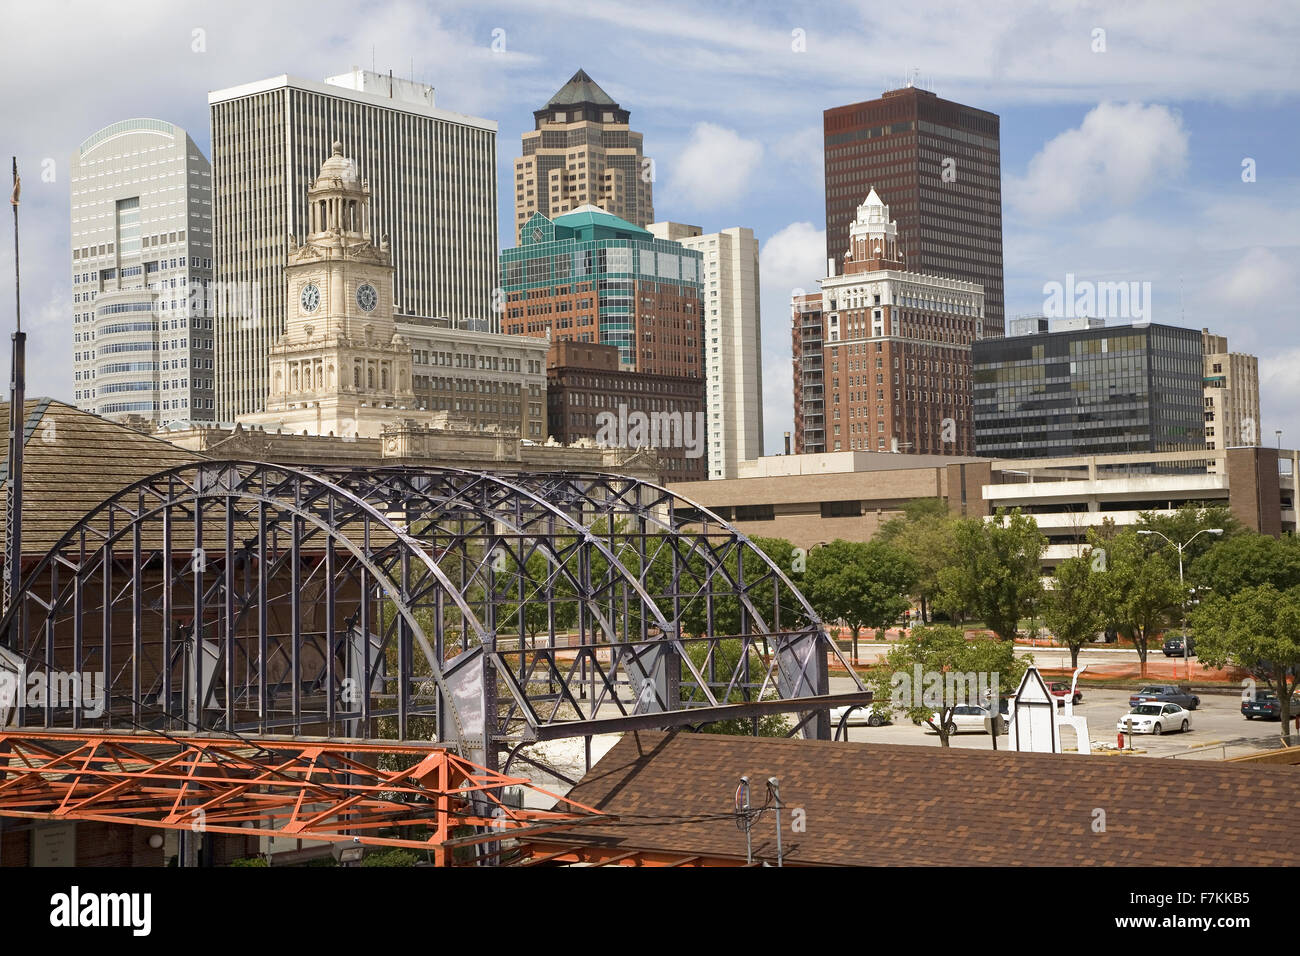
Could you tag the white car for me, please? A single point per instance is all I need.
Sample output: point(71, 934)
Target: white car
point(1155, 718)
point(969, 717)
point(860, 715)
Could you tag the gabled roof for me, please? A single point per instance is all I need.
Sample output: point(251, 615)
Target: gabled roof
point(869, 804)
point(73, 461)
point(580, 89)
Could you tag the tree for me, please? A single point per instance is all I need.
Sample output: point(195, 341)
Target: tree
point(765, 591)
point(1257, 628)
point(1072, 609)
point(1139, 588)
point(953, 671)
point(538, 579)
point(1248, 560)
point(1184, 523)
point(994, 571)
point(924, 531)
point(864, 584)
point(726, 658)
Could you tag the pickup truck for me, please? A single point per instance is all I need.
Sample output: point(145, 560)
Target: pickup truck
point(1165, 693)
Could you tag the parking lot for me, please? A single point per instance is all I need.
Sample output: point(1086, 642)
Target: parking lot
point(1218, 728)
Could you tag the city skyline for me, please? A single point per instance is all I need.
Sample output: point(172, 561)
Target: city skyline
point(1197, 203)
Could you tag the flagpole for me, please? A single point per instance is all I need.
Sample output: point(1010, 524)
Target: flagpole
point(17, 388)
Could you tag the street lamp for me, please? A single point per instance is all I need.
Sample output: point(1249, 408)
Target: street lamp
point(1187, 657)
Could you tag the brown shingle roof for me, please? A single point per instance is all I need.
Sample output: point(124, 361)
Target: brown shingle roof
point(73, 462)
point(908, 805)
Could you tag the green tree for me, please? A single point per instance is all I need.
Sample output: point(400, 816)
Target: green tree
point(768, 594)
point(936, 652)
point(863, 584)
point(1257, 628)
point(1139, 587)
point(1181, 527)
point(925, 532)
point(1072, 608)
point(994, 571)
point(538, 580)
point(1248, 560)
point(725, 662)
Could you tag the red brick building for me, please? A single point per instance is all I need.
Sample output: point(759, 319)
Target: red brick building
point(586, 390)
point(882, 357)
point(939, 166)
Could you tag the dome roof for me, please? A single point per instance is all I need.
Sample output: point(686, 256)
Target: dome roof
point(339, 166)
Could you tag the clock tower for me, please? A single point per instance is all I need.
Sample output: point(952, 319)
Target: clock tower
point(340, 367)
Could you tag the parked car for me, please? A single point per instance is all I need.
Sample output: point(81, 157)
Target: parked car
point(1174, 647)
point(1061, 689)
point(970, 717)
point(859, 715)
point(1166, 693)
point(1155, 718)
point(1267, 705)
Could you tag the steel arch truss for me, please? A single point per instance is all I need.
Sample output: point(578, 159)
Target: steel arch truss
point(488, 611)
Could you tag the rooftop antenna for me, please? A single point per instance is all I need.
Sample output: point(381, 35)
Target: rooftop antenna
point(745, 817)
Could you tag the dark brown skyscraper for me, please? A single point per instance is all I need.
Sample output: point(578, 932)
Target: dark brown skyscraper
point(938, 166)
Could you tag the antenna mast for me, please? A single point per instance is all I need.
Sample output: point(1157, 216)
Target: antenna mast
point(17, 387)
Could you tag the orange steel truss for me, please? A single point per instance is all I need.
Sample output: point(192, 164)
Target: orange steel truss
point(304, 788)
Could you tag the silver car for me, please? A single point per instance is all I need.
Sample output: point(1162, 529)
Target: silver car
point(970, 717)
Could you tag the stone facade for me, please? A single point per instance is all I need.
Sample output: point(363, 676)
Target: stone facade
point(340, 368)
point(444, 441)
point(1231, 381)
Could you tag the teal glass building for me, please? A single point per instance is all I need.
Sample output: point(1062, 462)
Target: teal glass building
point(589, 276)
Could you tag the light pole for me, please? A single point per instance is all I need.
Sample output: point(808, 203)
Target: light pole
point(1187, 655)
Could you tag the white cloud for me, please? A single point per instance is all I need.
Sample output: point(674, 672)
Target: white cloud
point(792, 259)
point(1260, 276)
point(801, 151)
point(1279, 395)
point(1117, 155)
point(714, 169)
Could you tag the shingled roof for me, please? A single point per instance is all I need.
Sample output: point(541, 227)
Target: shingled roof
point(886, 805)
point(73, 461)
point(581, 88)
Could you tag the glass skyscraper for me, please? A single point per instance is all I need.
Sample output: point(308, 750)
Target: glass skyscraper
point(1089, 391)
point(141, 227)
point(592, 277)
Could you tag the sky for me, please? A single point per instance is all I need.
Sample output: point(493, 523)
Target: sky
point(1142, 141)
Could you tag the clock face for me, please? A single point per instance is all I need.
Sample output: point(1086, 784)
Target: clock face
point(310, 297)
point(367, 297)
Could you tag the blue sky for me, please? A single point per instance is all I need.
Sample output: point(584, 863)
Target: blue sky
point(1122, 163)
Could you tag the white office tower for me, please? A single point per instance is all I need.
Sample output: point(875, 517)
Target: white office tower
point(431, 174)
point(141, 269)
point(733, 341)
